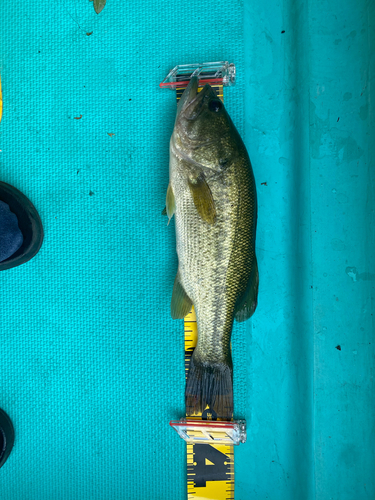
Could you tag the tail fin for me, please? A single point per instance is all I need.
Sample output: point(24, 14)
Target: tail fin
point(209, 385)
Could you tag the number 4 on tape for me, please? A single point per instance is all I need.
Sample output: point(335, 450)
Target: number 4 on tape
point(210, 471)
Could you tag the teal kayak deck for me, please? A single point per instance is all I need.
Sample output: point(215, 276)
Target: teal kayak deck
point(92, 363)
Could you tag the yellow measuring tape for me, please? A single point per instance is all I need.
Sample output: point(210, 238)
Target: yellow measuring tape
point(210, 468)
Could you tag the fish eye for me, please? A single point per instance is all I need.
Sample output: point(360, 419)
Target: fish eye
point(215, 105)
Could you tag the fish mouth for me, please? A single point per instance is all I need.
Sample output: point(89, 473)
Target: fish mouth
point(196, 105)
point(192, 101)
point(188, 96)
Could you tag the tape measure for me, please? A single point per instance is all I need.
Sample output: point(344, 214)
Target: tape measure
point(218, 89)
point(210, 442)
point(210, 467)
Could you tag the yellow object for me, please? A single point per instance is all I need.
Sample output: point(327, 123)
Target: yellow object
point(205, 461)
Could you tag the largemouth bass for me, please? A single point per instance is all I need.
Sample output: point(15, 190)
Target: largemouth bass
point(212, 194)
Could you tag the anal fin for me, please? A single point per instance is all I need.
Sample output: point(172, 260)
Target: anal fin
point(181, 303)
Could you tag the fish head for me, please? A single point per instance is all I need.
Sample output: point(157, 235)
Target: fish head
point(203, 130)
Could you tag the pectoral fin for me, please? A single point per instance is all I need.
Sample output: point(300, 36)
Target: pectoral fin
point(249, 300)
point(202, 198)
point(170, 203)
point(181, 304)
